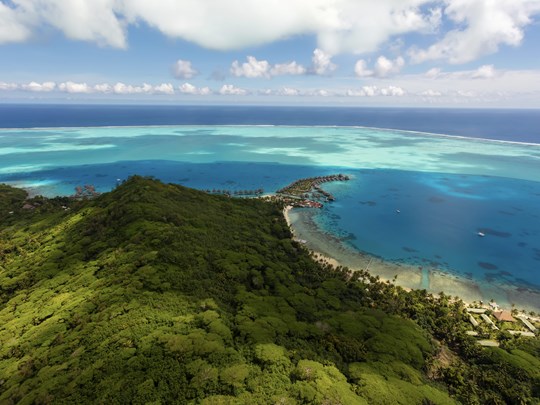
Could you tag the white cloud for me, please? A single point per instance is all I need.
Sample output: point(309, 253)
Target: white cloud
point(322, 62)
point(361, 69)
point(12, 29)
point(288, 91)
point(103, 88)
point(466, 93)
point(291, 68)
point(39, 87)
point(229, 89)
point(84, 88)
point(370, 91)
point(252, 68)
point(514, 88)
point(321, 93)
point(147, 88)
point(481, 86)
point(96, 21)
point(487, 24)
point(122, 88)
point(365, 91)
point(484, 72)
point(340, 26)
point(164, 88)
point(8, 86)
point(392, 91)
point(385, 66)
point(205, 91)
point(362, 26)
point(352, 93)
point(183, 70)
point(431, 93)
point(373, 91)
point(433, 72)
point(477, 27)
point(265, 92)
point(188, 88)
point(71, 87)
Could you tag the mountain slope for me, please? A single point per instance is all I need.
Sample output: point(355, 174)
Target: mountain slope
point(159, 293)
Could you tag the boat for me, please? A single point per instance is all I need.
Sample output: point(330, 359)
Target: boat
point(481, 234)
point(398, 211)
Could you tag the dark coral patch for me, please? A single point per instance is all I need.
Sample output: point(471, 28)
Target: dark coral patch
point(487, 266)
point(368, 203)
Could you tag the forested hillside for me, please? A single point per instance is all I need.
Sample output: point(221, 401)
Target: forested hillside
point(155, 293)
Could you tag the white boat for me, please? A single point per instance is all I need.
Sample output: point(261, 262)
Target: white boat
point(398, 211)
point(481, 234)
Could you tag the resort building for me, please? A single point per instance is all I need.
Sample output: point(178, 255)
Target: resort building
point(519, 332)
point(473, 321)
point(489, 321)
point(476, 310)
point(527, 323)
point(504, 316)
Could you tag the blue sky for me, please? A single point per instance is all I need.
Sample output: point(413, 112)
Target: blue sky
point(461, 53)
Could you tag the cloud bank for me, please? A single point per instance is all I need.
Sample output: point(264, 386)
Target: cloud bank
point(482, 27)
point(473, 27)
point(484, 85)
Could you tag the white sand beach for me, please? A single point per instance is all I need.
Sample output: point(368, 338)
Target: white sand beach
point(329, 249)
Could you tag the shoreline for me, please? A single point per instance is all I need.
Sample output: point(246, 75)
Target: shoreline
point(329, 249)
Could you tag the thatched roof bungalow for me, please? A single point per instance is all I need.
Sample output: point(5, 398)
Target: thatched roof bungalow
point(504, 316)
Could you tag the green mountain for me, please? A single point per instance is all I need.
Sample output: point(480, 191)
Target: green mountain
point(155, 293)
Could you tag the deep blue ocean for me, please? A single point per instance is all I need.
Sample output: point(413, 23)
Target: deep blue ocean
point(510, 125)
point(446, 188)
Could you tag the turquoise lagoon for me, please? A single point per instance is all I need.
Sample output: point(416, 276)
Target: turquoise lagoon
point(446, 189)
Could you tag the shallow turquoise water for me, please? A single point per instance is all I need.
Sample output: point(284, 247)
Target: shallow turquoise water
point(446, 188)
point(432, 220)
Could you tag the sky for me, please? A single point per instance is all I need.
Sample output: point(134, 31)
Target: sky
point(447, 53)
